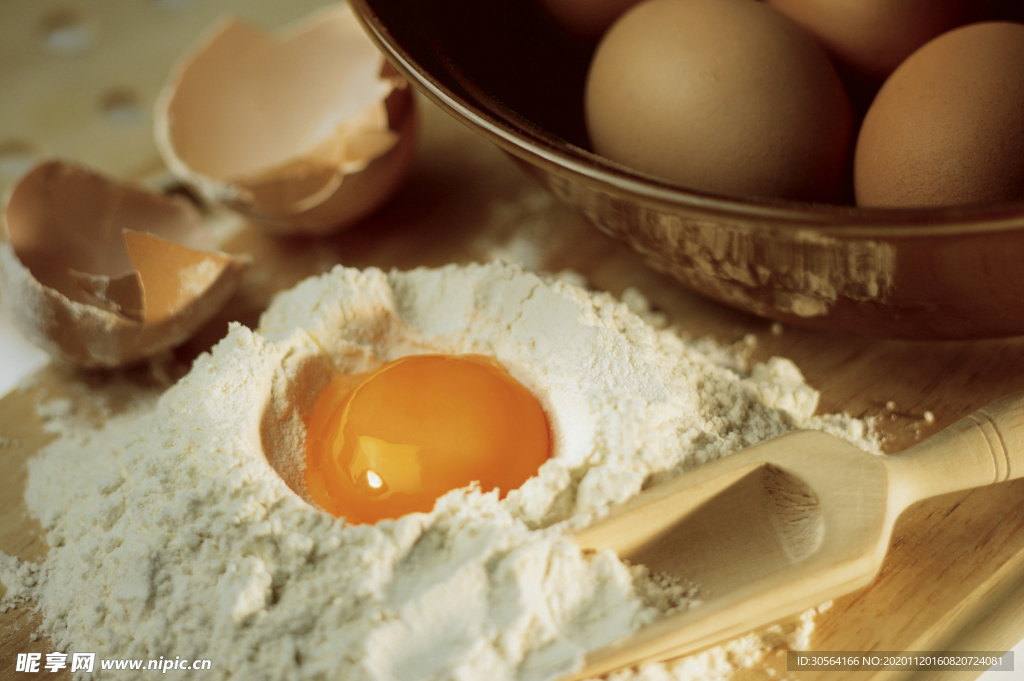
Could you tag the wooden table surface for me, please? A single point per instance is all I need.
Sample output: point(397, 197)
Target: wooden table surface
point(954, 575)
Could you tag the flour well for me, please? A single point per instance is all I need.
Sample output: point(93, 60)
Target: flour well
point(172, 535)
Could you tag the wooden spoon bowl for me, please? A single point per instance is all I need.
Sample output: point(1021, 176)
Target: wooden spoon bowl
point(788, 524)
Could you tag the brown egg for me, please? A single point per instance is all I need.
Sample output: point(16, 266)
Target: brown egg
point(874, 36)
point(587, 19)
point(947, 128)
point(725, 96)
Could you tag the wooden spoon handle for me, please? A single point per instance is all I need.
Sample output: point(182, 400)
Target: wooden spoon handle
point(983, 448)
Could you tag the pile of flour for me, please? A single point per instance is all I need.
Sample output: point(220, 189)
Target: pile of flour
point(173, 536)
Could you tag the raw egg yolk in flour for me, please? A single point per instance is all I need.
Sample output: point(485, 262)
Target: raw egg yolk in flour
point(392, 441)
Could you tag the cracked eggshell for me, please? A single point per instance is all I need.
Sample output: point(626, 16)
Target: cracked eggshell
point(102, 274)
point(308, 131)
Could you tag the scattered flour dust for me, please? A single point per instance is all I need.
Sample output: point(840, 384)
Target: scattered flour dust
point(172, 535)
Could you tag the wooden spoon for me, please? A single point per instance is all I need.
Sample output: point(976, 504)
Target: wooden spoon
point(788, 524)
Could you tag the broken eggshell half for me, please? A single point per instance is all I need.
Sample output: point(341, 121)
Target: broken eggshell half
point(308, 131)
point(103, 274)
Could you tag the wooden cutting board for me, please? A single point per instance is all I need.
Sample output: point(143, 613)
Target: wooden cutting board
point(954, 576)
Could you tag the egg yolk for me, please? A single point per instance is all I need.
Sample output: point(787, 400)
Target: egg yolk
point(392, 441)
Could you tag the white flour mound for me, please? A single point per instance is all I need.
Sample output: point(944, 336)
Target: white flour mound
point(172, 536)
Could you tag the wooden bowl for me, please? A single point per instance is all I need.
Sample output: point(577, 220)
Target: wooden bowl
point(503, 68)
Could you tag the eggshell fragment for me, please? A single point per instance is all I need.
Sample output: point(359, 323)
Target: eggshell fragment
point(84, 282)
point(309, 131)
point(947, 127)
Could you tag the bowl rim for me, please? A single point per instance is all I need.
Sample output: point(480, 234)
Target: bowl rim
point(554, 155)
